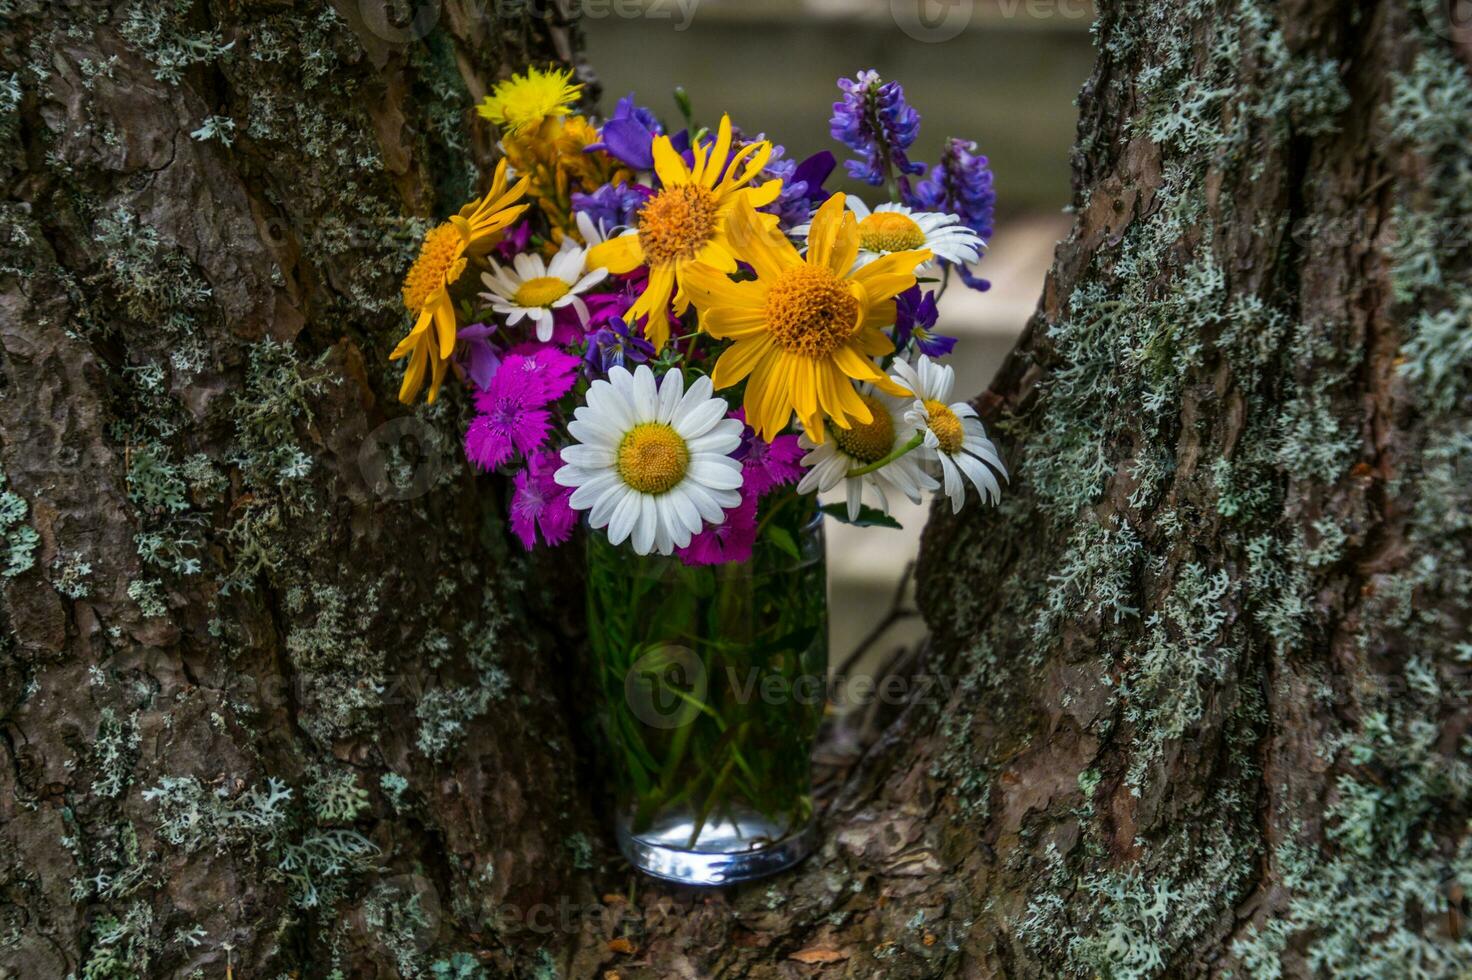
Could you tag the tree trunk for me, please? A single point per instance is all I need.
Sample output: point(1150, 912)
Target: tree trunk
point(271, 700)
point(274, 697)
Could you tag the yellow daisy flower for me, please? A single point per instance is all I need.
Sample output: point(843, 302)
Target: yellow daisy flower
point(807, 327)
point(521, 102)
point(442, 259)
point(686, 222)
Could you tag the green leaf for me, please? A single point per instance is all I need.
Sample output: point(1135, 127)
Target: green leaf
point(782, 538)
point(868, 516)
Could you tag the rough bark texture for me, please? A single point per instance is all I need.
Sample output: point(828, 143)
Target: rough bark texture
point(267, 697)
point(1205, 670)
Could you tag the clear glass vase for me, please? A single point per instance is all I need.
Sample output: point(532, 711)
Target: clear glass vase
point(712, 682)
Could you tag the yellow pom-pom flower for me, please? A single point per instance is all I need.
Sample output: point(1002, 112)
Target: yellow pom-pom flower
point(521, 102)
point(443, 257)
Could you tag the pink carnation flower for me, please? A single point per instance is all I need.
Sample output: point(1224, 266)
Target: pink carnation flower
point(541, 371)
point(512, 414)
point(765, 466)
point(729, 541)
point(509, 421)
point(539, 503)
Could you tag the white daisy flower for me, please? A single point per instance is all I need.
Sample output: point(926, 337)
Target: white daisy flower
point(954, 436)
point(652, 463)
point(534, 288)
point(854, 448)
point(896, 228)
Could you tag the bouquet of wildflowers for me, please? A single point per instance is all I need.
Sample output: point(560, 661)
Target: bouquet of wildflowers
point(674, 331)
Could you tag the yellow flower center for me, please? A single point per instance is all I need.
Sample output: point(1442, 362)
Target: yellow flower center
point(541, 291)
point(441, 250)
point(810, 311)
point(870, 442)
point(675, 223)
point(890, 231)
point(946, 426)
point(652, 458)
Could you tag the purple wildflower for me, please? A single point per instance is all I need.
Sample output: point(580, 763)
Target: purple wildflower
point(615, 345)
point(629, 133)
point(874, 120)
point(915, 314)
point(515, 241)
point(540, 504)
point(613, 205)
point(476, 355)
point(802, 185)
point(960, 184)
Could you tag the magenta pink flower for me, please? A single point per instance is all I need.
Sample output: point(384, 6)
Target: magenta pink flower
point(510, 420)
point(729, 541)
point(539, 503)
point(512, 414)
point(540, 370)
point(765, 466)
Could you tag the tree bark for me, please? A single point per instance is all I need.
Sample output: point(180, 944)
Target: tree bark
point(1195, 700)
point(272, 702)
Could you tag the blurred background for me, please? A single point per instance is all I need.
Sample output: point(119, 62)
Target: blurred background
point(1001, 72)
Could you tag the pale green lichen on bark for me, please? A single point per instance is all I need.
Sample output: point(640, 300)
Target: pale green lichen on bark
point(1375, 907)
point(258, 522)
point(1143, 332)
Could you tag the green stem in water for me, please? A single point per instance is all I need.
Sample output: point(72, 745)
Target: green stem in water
point(916, 441)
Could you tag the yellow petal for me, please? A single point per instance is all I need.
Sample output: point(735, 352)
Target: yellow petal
point(437, 375)
point(826, 226)
point(710, 287)
point(890, 274)
point(668, 164)
point(719, 152)
point(769, 252)
point(618, 255)
point(653, 306)
point(416, 335)
point(715, 253)
point(739, 360)
point(414, 375)
point(871, 342)
point(855, 365)
point(445, 326)
point(761, 195)
point(845, 406)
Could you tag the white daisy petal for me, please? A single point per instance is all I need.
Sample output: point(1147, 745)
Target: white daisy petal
point(671, 390)
point(645, 397)
point(702, 419)
point(645, 524)
point(589, 457)
point(625, 516)
point(705, 470)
